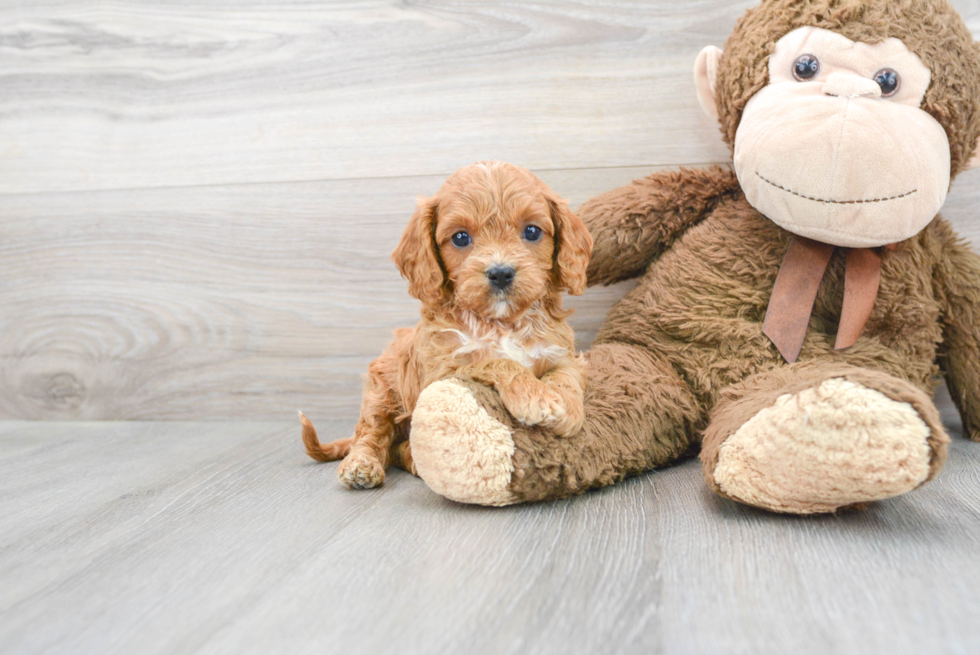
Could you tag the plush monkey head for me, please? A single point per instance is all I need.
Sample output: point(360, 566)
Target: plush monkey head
point(848, 119)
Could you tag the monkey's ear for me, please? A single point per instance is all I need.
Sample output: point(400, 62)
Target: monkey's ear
point(975, 160)
point(705, 73)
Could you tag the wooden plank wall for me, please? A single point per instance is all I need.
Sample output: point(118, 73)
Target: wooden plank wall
point(198, 200)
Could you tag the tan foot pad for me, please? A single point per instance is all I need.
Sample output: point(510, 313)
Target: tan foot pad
point(460, 450)
point(827, 447)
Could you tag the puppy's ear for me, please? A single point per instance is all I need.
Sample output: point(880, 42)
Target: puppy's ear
point(573, 247)
point(416, 256)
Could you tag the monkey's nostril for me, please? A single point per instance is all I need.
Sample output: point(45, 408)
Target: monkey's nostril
point(501, 277)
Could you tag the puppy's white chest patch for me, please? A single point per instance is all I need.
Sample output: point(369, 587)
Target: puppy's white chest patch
point(507, 347)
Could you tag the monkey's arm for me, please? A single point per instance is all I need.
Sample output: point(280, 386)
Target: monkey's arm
point(633, 225)
point(958, 286)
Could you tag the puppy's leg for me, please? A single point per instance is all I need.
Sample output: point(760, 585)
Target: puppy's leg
point(567, 381)
point(364, 466)
point(401, 456)
point(330, 452)
point(528, 399)
point(555, 401)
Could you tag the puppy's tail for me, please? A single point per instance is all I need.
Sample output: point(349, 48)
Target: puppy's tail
point(329, 453)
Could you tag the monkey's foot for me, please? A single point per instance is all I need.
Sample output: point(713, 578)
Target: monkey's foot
point(833, 445)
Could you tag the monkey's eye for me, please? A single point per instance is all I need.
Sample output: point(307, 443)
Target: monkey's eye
point(532, 233)
point(461, 239)
point(806, 68)
point(889, 81)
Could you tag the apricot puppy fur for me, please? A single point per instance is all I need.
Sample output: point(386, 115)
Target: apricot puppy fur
point(489, 257)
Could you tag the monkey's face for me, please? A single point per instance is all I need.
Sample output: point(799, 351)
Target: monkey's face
point(836, 147)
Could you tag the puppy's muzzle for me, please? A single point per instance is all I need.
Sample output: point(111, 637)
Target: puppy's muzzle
point(501, 277)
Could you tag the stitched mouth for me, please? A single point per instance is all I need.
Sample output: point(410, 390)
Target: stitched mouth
point(835, 202)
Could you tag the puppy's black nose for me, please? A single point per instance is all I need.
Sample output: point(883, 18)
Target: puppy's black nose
point(501, 277)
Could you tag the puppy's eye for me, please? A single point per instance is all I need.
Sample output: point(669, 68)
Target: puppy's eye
point(889, 81)
point(461, 239)
point(806, 68)
point(532, 233)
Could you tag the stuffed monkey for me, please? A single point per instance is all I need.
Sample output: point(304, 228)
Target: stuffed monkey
point(793, 314)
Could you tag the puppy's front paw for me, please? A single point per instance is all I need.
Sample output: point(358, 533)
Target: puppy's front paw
point(540, 406)
point(359, 471)
point(571, 423)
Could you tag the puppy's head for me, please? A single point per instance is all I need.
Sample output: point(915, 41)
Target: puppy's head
point(494, 240)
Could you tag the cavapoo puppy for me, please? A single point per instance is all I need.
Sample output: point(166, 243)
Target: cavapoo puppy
point(489, 256)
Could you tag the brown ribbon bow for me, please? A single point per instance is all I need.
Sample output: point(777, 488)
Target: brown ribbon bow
point(795, 293)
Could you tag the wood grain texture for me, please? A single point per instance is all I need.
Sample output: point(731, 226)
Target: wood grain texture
point(131, 94)
point(183, 537)
point(195, 218)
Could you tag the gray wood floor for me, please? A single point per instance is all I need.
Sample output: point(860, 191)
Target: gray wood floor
point(215, 537)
